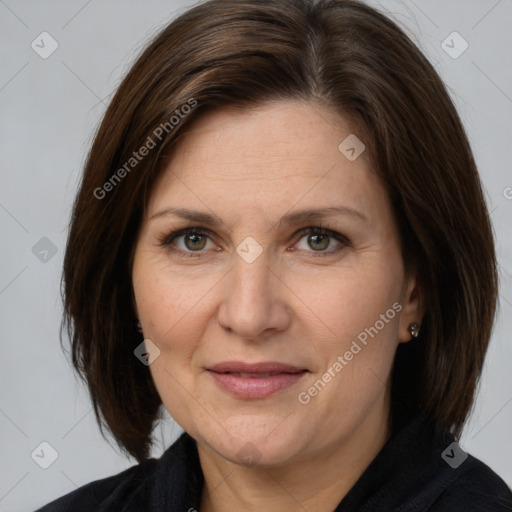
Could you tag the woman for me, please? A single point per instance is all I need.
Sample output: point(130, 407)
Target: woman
point(281, 237)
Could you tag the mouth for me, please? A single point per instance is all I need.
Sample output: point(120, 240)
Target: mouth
point(252, 375)
point(255, 381)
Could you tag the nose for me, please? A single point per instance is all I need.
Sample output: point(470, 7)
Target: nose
point(254, 300)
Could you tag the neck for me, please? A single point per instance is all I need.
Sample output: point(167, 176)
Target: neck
point(317, 483)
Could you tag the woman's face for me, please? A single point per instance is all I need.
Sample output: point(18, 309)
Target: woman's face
point(276, 343)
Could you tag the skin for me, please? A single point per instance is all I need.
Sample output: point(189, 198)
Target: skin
point(290, 305)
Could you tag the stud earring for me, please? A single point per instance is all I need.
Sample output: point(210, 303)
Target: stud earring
point(138, 325)
point(414, 329)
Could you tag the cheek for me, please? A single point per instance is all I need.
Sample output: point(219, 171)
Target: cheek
point(363, 311)
point(343, 303)
point(172, 310)
point(172, 305)
point(359, 313)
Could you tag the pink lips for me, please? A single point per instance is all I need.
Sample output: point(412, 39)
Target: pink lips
point(258, 380)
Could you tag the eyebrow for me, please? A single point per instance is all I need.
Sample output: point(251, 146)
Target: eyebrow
point(297, 217)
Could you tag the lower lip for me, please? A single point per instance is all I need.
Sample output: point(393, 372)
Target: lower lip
point(255, 387)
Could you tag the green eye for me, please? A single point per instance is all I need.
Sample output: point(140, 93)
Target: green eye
point(319, 239)
point(197, 241)
point(194, 241)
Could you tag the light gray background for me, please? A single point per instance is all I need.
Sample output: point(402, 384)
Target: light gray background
point(49, 109)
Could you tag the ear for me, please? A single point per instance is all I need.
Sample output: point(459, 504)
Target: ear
point(412, 307)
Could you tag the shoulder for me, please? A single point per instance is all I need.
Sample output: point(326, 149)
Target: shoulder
point(476, 487)
point(171, 482)
point(423, 468)
point(104, 493)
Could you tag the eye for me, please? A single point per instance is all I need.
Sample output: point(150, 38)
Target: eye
point(193, 240)
point(318, 239)
point(188, 241)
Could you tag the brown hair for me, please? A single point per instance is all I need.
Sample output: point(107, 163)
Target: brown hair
point(355, 61)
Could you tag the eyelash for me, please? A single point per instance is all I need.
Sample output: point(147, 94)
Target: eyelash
point(316, 230)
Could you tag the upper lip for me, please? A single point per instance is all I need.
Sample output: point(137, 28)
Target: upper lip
point(263, 367)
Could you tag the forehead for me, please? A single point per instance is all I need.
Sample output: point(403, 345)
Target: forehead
point(264, 137)
point(271, 156)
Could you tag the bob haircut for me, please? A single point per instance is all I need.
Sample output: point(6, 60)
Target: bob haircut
point(350, 58)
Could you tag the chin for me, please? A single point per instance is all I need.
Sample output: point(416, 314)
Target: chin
point(257, 441)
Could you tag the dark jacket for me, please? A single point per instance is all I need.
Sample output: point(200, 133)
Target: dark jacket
point(418, 469)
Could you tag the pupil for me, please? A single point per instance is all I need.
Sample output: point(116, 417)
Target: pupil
point(196, 242)
point(315, 240)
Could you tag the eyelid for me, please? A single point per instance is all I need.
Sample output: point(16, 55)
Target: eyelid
point(342, 240)
point(185, 231)
point(324, 231)
point(167, 240)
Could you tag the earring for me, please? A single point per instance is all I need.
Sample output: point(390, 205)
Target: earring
point(414, 329)
point(138, 325)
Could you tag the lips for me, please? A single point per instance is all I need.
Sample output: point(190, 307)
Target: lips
point(255, 368)
point(257, 380)
point(253, 375)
